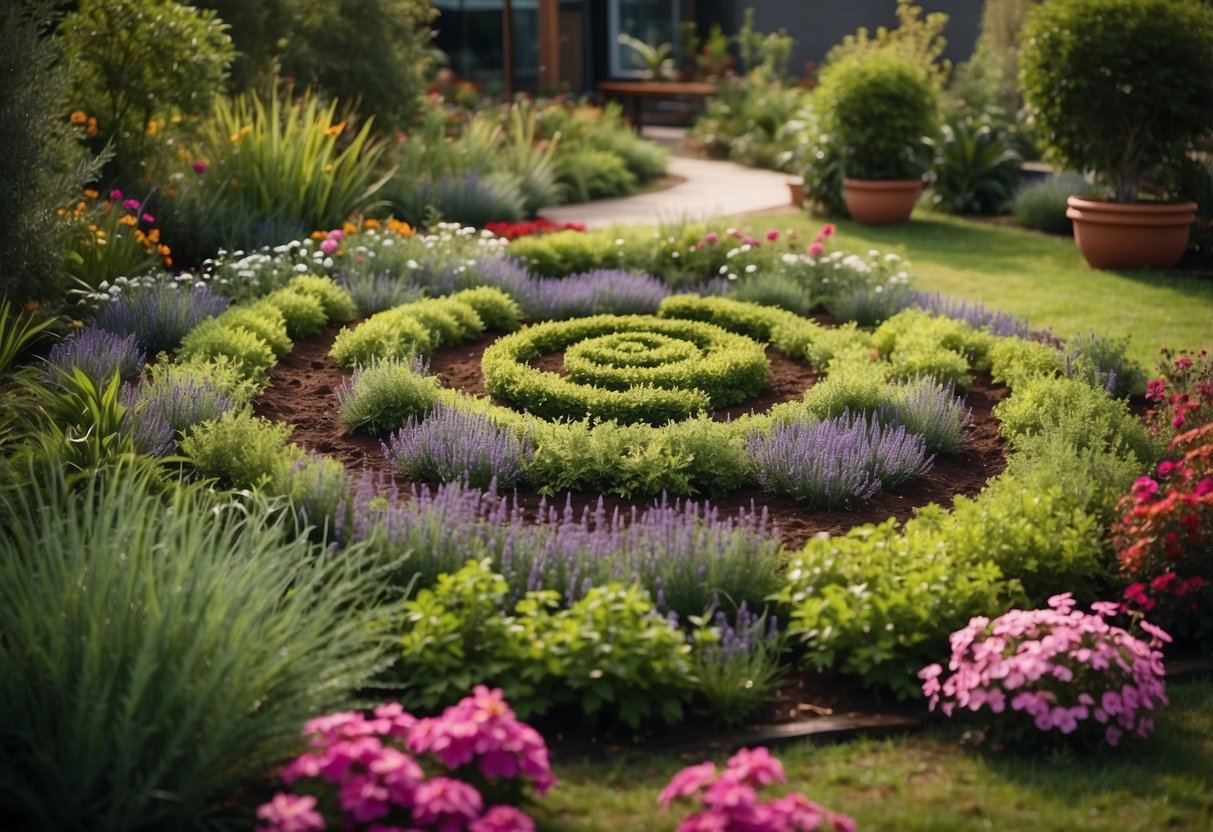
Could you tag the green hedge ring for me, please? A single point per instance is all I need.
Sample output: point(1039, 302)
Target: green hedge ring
point(630, 368)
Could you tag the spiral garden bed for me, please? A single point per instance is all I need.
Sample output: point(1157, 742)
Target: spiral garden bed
point(304, 387)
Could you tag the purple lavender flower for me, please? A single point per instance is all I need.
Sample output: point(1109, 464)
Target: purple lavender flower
point(168, 407)
point(931, 410)
point(452, 445)
point(689, 551)
point(974, 313)
point(376, 291)
point(159, 316)
point(596, 292)
point(838, 460)
point(98, 354)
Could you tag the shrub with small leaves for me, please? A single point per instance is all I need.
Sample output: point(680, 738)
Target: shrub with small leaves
point(242, 450)
point(384, 396)
point(214, 340)
point(336, 300)
point(303, 313)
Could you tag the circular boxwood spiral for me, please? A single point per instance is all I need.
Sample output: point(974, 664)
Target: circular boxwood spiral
point(631, 368)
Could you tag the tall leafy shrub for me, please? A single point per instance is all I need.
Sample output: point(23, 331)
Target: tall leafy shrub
point(137, 65)
point(41, 167)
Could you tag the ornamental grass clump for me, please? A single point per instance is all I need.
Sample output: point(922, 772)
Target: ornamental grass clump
point(738, 663)
point(728, 801)
point(391, 769)
point(160, 314)
point(931, 410)
point(837, 461)
point(98, 354)
point(451, 445)
point(1058, 669)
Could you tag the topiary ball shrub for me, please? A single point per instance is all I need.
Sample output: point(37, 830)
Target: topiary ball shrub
point(882, 109)
point(1119, 86)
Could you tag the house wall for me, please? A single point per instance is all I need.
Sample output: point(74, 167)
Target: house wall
point(819, 24)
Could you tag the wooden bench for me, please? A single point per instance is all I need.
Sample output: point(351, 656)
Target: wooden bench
point(637, 91)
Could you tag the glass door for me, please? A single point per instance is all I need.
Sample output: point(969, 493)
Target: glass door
point(653, 21)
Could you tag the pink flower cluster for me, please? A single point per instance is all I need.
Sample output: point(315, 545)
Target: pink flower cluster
point(818, 246)
point(730, 803)
point(332, 241)
point(362, 769)
point(1065, 669)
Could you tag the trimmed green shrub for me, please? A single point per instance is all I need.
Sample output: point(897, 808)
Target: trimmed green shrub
point(789, 333)
point(221, 373)
point(167, 645)
point(242, 450)
point(405, 331)
point(215, 340)
point(1039, 536)
point(722, 369)
point(1073, 410)
point(1093, 478)
point(262, 319)
point(880, 604)
point(336, 300)
point(917, 343)
point(882, 109)
point(384, 395)
point(1014, 361)
point(1119, 86)
point(303, 313)
point(696, 456)
point(567, 252)
point(497, 310)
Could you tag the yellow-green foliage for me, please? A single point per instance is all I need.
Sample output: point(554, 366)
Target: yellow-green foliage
point(303, 313)
point(336, 300)
point(242, 450)
point(218, 340)
point(720, 369)
point(1014, 361)
point(409, 330)
point(917, 344)
point(496, 309)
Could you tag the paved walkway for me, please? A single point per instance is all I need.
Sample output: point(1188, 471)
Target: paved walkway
point(711, 189)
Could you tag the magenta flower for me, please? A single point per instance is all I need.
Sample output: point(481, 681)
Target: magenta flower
point(816, 249)
point(711, 237)
point(688, 782)
point(199, 166)
point(756, 767)
point(328, 246)
point(502, 819)
point(772, 235)
point(148, 218)
point(115, 194)
point(290, 813)
point(446, 803)
point(131, 204)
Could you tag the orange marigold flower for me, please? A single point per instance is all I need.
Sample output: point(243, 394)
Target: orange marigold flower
point(128, 219)
point(31, 305)
point(319, 235)
point(370, 223)
point(400, 227)
point(349, 228)
point(163, 250)
point(154, 235)
point(78, 117)
point(91, 193)
point(92, 130)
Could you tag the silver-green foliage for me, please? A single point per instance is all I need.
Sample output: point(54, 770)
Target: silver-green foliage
point(161, 650)
point(383, 396)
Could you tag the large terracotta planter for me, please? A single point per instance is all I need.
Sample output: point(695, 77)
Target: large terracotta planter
point(1135, 235)
point(796, 192)
point(881, 201)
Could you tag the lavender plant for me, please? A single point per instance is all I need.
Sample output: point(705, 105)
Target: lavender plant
point(974, 313)
point(684, 553)
point(600, 291)
point(738, 663)
point(376, 291)
point(836, 461)
point(160, 409)
point(98, 354)
point(452, 445)
point(160, 314)
point(931, 410)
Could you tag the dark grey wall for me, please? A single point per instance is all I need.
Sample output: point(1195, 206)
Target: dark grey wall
point(819, 24)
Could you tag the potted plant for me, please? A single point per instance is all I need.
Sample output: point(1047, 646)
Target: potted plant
point(1121, 88)
point(881, 111)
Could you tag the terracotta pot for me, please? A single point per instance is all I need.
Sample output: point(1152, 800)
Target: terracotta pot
point(881, 201)
point(1135, 235)
point(796, 190)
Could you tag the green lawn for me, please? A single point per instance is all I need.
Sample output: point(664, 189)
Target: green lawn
point(928, 781)
point(1038, 277)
